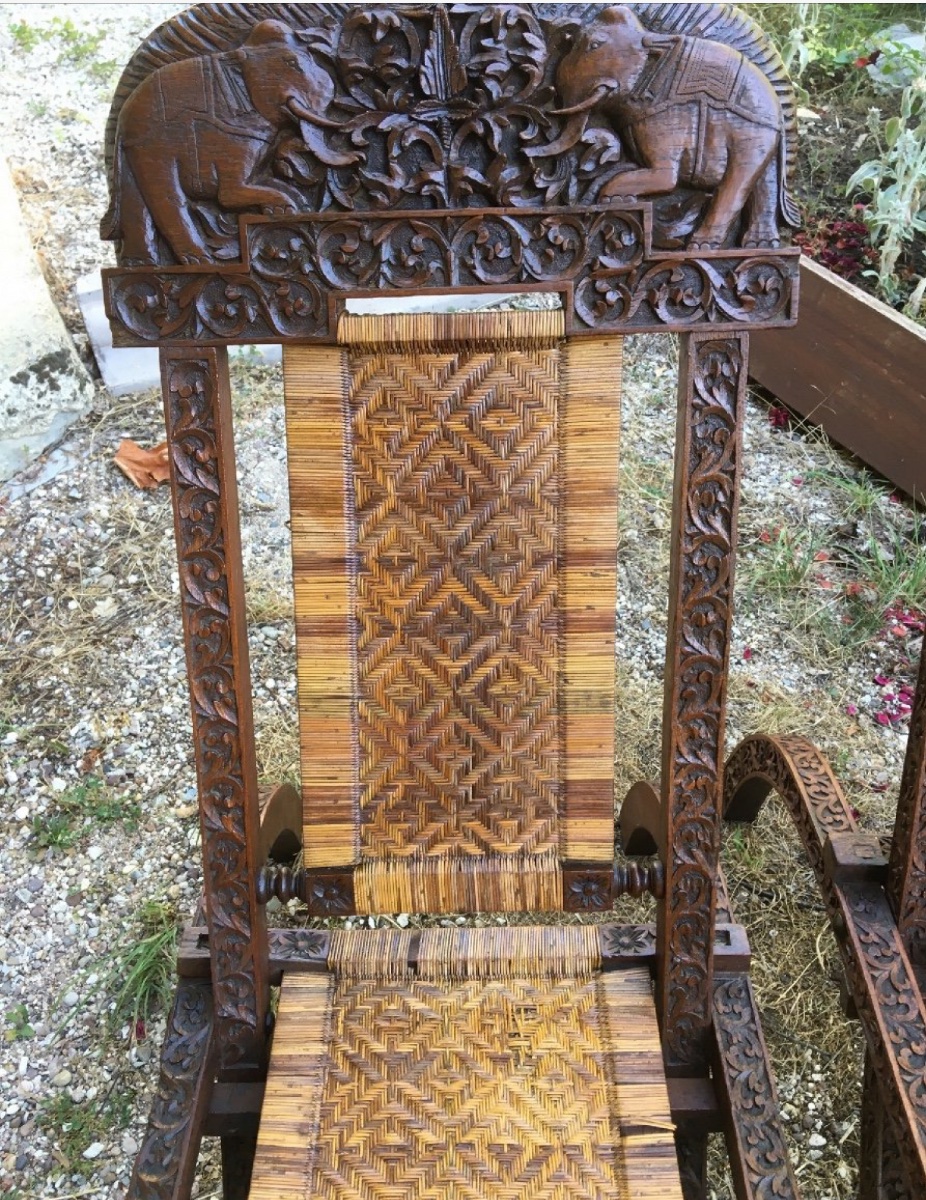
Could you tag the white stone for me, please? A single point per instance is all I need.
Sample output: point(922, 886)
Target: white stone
point(94, 1150)
point(43, 384)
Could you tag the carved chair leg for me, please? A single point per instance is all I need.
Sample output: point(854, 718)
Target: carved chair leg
point(746, 1091)
point(881, 1174)
point(237, 1164)
point(166, 1162)
point(691, 1147)
point(869, 1167)
point(881, 979)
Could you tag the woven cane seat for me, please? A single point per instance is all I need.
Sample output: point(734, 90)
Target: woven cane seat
point(466, 1064)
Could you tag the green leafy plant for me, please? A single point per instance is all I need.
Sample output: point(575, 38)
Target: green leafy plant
point(26, 36)
point(782, 561)
point(896, 182)
point(17, 1021)
point(55, 830)
point(81, 809)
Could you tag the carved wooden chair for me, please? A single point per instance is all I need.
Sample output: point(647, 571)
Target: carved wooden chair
point(453, 493)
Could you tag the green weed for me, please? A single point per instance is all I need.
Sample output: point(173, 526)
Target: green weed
point(78, 46)
point(863, 495)
point(81, 809)
point(143, 966)
point(893, 569)
point(26, 36)
point(895, 182)
point(18, 1028)
point(782, 563)
point(55, 830)
point(72, 1127)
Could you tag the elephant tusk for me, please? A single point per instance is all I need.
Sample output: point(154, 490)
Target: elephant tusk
point(597, 94)
point(301, 113)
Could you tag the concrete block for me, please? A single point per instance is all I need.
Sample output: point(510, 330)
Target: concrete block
point(43, 384)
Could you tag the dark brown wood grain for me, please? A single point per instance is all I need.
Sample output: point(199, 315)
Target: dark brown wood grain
point(854, 366)
point(197, 411)
point(906, 883)
point(548, 105)
point(879, 974)
point(166, 1162)
point(711, 398)
point(268, 162)
point(746, 1088)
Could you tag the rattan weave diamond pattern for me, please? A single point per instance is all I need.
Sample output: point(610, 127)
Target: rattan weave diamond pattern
point(486, 1074)
point(454, 544)
point(456, 499)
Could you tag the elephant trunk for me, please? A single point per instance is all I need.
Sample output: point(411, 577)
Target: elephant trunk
point(570, 134)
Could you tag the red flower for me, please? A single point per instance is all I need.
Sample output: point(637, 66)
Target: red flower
point(779, 418)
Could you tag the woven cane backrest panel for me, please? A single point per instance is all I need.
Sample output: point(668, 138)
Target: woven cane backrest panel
point(433, 522)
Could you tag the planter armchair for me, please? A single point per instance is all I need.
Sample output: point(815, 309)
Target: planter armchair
point(453, 489)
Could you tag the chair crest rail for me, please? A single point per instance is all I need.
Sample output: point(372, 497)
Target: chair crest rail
point(633, 158)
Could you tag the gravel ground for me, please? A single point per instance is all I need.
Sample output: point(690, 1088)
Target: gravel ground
point(95, 759)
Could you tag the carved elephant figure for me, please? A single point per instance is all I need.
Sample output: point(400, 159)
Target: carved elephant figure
point(689, 112)
point(204, 129)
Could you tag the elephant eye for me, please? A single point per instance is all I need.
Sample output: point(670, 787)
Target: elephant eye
point(595, 44)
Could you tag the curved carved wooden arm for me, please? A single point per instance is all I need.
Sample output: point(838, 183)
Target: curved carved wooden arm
point(880, 976)
point(795, 769)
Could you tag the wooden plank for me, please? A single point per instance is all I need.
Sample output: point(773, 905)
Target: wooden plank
point(854, 366)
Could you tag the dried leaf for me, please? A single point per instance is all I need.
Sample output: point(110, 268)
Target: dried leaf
point(145, 468)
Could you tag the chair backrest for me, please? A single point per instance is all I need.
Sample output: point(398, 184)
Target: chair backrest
point(266, 164)
point(453, 492)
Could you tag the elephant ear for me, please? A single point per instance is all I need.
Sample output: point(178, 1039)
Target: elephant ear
point(728, 24)
point(205, 29)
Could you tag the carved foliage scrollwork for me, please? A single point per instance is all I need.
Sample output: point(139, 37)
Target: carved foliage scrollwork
point(906, 886)
point(891, 1007)
point(801, 776)
point(881, 982)
point(168, 1152)
point(712, 396)
point(294, 268)
point(190, 395)
point(744, 1076)
point(379, 108)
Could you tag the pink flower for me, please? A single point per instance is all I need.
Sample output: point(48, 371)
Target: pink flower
point(882, 718)
point(852, 710)
point(881, 680)
point(747, 653)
